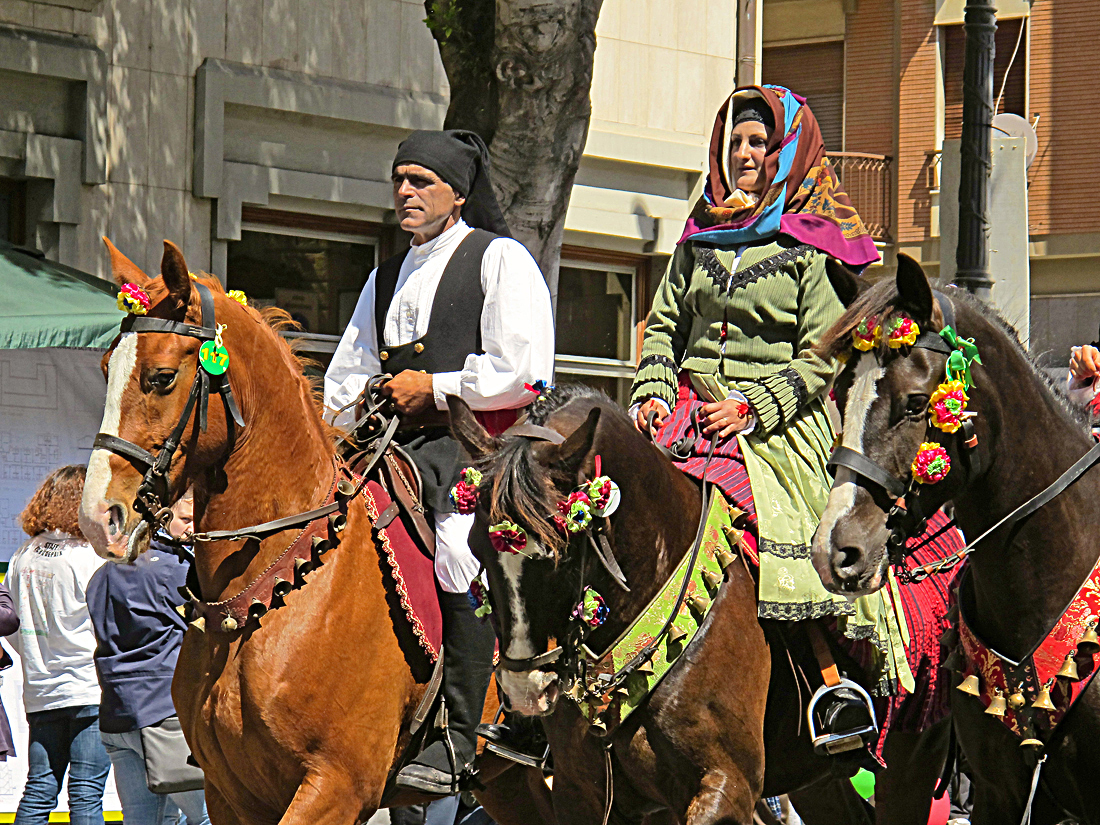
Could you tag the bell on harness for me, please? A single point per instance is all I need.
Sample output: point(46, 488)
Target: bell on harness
point(841, 718)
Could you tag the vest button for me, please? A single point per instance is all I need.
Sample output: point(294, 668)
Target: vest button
point(418, 348)
point(383, 355)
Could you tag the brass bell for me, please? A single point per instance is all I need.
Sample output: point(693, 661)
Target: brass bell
point(698, 605)
point(256, 609)
point(182, 609)
point(338, 521)
point(199, 624)
point(676, 635)
point(301, 567)
point(712, 581)
point(646, 667)
point(725, 558)
point(281, 588)
point(229, 624)
point(599, 727)
point(321, 546)
point(1016, 700)
point(971, 685)
point(732, 534)
point(1089, 638)
point(955, 662)
point(344, 489)
point(1069, 668)
point(997, 706)
point(950, 638)
point(1031, 742)
point(1042, 701)
point(737, 515)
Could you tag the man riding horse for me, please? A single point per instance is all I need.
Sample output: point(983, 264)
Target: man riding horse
point(465, 312)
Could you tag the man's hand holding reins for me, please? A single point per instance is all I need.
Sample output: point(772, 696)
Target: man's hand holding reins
point(411, 392)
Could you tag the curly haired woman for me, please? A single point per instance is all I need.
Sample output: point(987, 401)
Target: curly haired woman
point(48, 577)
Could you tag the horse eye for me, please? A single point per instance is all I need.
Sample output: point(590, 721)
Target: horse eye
point(162, 380)
point(916, 405)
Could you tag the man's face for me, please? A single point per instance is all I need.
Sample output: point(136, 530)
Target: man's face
point(424, 203)
point(183, 519)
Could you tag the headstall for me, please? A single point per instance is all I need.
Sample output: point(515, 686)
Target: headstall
point(210, 374)
point(946, 412)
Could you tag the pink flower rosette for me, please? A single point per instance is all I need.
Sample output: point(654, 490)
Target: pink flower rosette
point(464, 494)
point(133, 299)
point(947, 405)
point(903, 332)
point(931, 464)
point(507, 537)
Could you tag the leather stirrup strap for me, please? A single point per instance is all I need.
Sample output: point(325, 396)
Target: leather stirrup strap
point(829, 672)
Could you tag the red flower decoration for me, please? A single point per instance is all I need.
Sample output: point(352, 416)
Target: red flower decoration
point(508, 537)
point(931, 464)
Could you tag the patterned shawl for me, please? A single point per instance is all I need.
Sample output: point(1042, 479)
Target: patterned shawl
point(803, 197)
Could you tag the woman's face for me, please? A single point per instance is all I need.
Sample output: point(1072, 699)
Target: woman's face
point(748, 141)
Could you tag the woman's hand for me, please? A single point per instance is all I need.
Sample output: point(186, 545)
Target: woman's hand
point(726, 417)
point(1084, 362)
point(650, 406)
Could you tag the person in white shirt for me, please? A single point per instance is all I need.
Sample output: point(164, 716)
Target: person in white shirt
point(48, 577)
point(464, 312)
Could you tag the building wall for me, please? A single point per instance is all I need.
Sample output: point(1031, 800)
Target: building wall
point(917, 119)
point(870, 67)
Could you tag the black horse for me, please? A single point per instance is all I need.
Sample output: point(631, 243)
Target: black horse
point(1021, 578)
point(696, 748)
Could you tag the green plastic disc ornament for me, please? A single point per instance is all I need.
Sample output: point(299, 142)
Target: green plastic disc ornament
point(214, 358)
point(864, 783)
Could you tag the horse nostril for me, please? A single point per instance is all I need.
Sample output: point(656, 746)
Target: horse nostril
point(848, 557)
point(116, 519)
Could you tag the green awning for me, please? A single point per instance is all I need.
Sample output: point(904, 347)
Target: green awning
point(46, 304)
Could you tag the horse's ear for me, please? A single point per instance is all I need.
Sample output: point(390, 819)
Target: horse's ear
point(845, 283)
point(468, 431)
point(123, 270)
point(173, 269)
point(914, 291)
point(571, 454)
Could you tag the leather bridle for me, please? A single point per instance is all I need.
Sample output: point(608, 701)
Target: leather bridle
point(152, 493)
point(905, 518)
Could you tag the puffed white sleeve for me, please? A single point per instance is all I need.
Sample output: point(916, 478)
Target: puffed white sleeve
point(517, 334)
point(355, 360)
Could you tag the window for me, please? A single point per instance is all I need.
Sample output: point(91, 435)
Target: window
point(310, 266)
point(1059, 322)
point(13, 208)
point(816, 72)
point(601, 306)
point(1014, 78)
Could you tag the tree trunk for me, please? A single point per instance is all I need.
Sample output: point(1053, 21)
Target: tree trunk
point(520, 74)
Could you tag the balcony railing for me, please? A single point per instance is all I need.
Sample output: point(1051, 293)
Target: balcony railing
point(867, 180)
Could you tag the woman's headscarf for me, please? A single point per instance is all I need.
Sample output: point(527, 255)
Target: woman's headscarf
point(803, 197)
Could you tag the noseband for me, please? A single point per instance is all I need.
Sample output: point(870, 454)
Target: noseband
point(905, 518)
point(152, 493)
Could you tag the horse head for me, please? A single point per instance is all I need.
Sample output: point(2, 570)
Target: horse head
point(884, 393)
point(533, 591)
point(149, 382)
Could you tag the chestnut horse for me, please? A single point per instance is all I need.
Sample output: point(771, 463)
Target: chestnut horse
point(696, 747)
point(1022, 576)
point(301, 717)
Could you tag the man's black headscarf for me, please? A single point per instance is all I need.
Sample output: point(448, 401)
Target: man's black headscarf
point(461, 159)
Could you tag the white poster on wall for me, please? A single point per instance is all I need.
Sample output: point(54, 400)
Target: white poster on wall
point(51, 404)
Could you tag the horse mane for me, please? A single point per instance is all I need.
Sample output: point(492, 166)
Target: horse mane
point(881, 300)
point(521, 488)
point(273, 320)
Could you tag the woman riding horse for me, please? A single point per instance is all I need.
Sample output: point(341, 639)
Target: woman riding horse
point(728, 351)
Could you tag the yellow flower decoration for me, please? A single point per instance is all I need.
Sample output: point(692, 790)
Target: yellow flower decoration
point(946, 406)
point(903, 332)
point(238, 296)
point(867, 334)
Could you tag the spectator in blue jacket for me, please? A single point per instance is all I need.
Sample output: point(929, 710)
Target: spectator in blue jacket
point(139, 633)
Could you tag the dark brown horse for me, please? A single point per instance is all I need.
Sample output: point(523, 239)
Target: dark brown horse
point(1022, 578)
point(696, 748)
point(299, 718)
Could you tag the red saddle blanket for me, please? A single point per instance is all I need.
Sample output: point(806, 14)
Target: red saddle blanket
point(411, 573)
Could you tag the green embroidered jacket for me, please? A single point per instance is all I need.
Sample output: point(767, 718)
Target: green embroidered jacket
point(778, 303)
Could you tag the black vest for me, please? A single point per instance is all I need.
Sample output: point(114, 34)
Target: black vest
point(454, 328)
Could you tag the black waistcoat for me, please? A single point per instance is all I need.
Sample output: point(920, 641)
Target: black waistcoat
point(454, 328)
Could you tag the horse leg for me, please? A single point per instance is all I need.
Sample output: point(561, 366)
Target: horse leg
point(326, 798)
point(217, 808)
point(725, 797)
point(903, 792)
point(517, 796)
point(832, 801)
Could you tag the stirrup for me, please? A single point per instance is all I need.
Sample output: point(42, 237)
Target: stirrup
point(833, 742)
point(495, 743)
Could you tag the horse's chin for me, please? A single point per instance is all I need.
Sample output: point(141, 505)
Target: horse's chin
point(533, 693)
point(863, 583)
point(129, 545)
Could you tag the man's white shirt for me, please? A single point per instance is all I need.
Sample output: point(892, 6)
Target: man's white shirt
point(517, 328)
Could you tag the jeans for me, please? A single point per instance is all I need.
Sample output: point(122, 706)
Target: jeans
point(66, 738)
point(140, 806)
